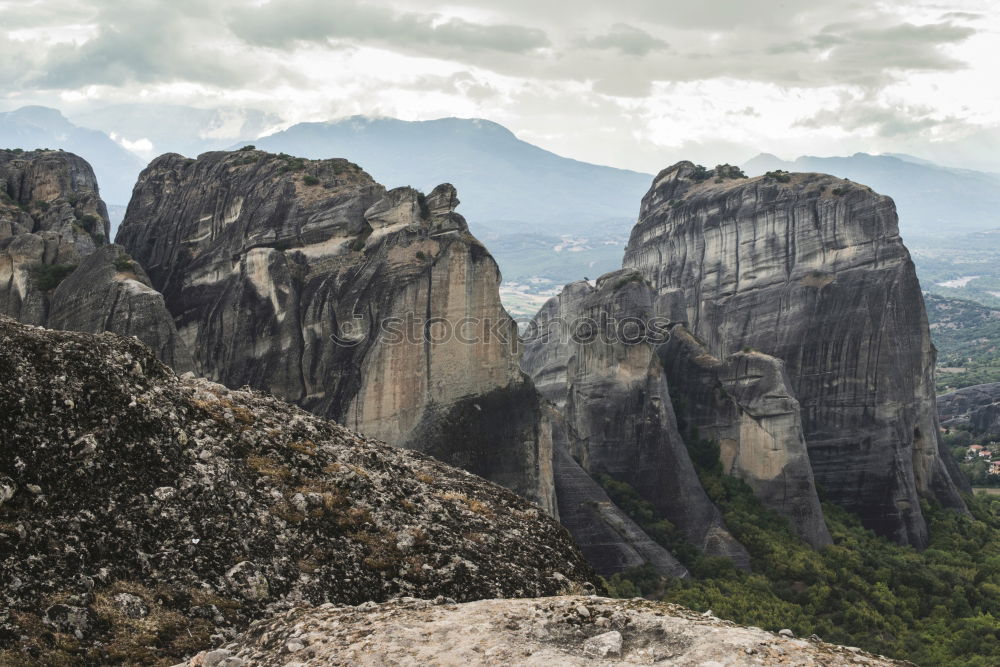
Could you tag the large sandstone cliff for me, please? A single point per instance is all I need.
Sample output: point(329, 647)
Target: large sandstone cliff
point(145, 516)
point(811, 269)
point(743, 403)
point(56, 266)
point(607, 381)
point(378, 309)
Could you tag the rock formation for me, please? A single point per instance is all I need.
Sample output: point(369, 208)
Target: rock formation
point(378, 309)
point(607, 381)
point(609, 539)
point(56, 267)
point(567, 630)
point(810, 269)
point(977, 407)
point(744, 404)
point(142, 513)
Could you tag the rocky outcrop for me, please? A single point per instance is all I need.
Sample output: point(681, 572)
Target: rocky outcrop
point(609, 539)
point(378, 309)
point(614, 397)
point(141, 514)
point(810, 269)
point(568, 630)
point(109, 291)
point(56, 267)
point(744, 404)
point(977, 407)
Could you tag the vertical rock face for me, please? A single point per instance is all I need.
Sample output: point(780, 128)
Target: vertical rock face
point(745, 405)
point(810, 269)
point(616, 402)
point(56, 267)
point(109, 291)
point(378, 309)
point(977, 407)
point(609, 539)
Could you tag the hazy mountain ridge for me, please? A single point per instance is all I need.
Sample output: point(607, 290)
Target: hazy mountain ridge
point(41, 127)
point(932, 200)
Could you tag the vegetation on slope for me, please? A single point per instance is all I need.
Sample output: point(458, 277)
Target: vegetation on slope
point(976, 468)
point(936, 607)
point(965, 334)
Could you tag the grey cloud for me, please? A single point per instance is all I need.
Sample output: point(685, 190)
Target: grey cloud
point(625, 39)
point(961, 16)
point(283, 23)
point(856, 114)
point(144, 41)
point(19, 14)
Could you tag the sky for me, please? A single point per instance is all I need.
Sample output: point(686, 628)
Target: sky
point(630, 83)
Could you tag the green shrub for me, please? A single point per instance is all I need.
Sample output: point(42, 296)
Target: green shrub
point(700, 173)
point(421, 256)
point(248, 147)
point(356, 244)
point(88, 221)
point(633, 278)
point(310, 180)
point(425, 210)
point(778, 175)
point(728, 171)
point(48, 276)
point(123, 263)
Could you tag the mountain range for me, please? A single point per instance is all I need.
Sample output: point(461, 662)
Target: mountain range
point(548, 220)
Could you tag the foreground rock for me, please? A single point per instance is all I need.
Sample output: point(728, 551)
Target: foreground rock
point(572, 630)
point(613, 394)
point(56, 266)
point(375, 308)
point(142, 514)
point(810, 269)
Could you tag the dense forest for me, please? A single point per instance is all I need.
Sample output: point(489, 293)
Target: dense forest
point(940, 606)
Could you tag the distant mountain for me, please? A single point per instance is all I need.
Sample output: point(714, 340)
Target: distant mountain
point(506, 185)
point(548, 220)
point(932, 200)
point(41, 127)
point(172, 128)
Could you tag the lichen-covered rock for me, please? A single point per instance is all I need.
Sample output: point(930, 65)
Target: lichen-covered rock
point(378, 309)
point(811, 269)
point(56, 267)
point(568, 630)
point(744, 404)
point(614, 397)
point(150, 513)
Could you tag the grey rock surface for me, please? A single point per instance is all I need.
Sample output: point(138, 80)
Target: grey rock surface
point(309, 280)
point(608, 538)
point(812, 271)
point(977, 407)
point(186, 495)
point(109, 291)
point(616, 403)
point(56, 266)
point(546, 631)
point(744, 404)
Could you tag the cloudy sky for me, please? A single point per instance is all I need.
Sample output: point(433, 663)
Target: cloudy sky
point(632, 83)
